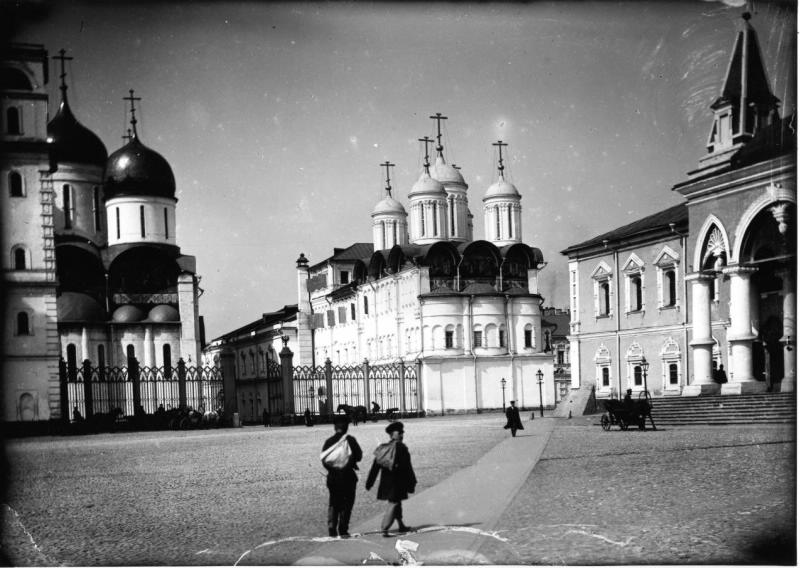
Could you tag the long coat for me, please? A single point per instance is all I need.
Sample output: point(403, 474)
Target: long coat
point(395, 483)
point(342, 482)
point(512, 418)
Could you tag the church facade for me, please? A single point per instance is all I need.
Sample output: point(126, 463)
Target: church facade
point(93, 270)
point(700, 298)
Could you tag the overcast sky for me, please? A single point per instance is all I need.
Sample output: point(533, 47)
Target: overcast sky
point(275, 117)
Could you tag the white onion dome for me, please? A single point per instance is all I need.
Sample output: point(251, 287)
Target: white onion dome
point(426, 185)
point(162, 313)
point(388, 206)
point(501, 188)
point(446, 173)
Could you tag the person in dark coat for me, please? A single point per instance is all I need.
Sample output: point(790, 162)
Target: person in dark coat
point(307, 418)
point(628, 401)
point(396, 483)
point(341, 482)
point(513, 421)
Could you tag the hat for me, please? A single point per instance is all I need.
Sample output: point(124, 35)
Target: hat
point(512, 401)
point(629, 390)
point(341, 420)
point(394, 427)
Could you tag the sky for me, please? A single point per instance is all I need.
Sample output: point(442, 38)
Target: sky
point(276, 117)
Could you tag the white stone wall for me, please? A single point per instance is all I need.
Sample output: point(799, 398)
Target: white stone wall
point(130, 226)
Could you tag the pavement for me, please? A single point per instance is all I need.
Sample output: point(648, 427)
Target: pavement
point(450, 520)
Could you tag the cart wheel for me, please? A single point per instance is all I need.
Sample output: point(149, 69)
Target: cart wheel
point(605, 422)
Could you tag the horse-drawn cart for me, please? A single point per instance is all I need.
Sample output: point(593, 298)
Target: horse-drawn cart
point(626, 413)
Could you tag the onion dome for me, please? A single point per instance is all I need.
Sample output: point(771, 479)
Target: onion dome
point(135, 169)
point(127, 314)
point(73, 142)
point(501, 188)
point(446, 173)
point(162, 313)
point(428, 186)
point(74, 306)
point(388, 205)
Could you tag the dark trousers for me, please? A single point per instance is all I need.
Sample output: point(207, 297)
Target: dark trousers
point(338, 520)
point(513, 432)
point(342, 488)
point(393, 511)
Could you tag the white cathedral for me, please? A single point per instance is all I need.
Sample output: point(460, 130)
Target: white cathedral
point(425, 291)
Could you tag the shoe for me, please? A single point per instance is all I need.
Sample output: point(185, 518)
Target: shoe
point(404, 529)
point(344, 535)
point(385, 534)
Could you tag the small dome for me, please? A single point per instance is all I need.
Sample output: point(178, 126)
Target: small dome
point(74, 306)
point(501, 187)
point(127, 314)
point(163, 313)
point(135, 169)
point(446, 173)
point(73, 142)
point(388, 205)
point(427, 185)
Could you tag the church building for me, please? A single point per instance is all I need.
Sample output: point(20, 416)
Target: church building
point(699, 298)
point(93, 270)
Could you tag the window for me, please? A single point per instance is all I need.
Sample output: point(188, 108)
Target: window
point(435, 219)
point(497, 221)
point(366, 306)
point(72, 362)
point(602, 361)
point(637, 375)
point(604, 295)
point(673, 374)
point(451, 209)
point(528, 337)
point(501, 336)
point(96, 209)
point(448, 339)
point(331, 317)
point(422, 220)
point(166, 223)
point(20, 260)
point(68, 205)
point(477, 338)
point(13, 125)
point(344, 276)
point(560, 357)
point(342, 314)
point(353, 312)
point(15, 184)
point(141, 219)
point(605, 379)
point(118, 231)
point(547, 346)
point(166, 354)
point(573, 278)
point(635, 301)
point(23, 325)
point(508, 210)
point(669, 288)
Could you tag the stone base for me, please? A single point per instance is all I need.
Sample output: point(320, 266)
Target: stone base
point(788, 384)
point(704, 389)
point(746, 387)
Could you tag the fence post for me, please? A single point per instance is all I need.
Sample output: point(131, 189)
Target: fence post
point(87, 388)
point(402, 387)
point(133, 373)
point(286, 377)
point(329, 384)
point(368, 401)
point(230, 401)
point(419, 386)
point(62, 376)
point(181, 384)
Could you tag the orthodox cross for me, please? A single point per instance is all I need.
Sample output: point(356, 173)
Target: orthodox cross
point(387, 165)
point(131, 98)
point(500, 166)
point(62, 57)
point(127, 137)
point(427, 163)
point(438, 118)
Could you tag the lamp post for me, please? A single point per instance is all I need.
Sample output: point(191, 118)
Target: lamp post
point(540, 380)
point(645, 367)
point(503, 387)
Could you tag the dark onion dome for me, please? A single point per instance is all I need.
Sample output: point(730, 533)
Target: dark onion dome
point(135, 169)
point(73, 142)
point(74, 306)
point(162, 313)
point(127, 314)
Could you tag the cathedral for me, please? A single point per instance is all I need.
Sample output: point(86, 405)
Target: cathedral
point(93, 268)
point(701, 295)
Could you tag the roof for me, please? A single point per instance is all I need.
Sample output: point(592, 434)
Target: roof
point(677, 215)
point(287, 313)
point(558, 322)
point(356, 251)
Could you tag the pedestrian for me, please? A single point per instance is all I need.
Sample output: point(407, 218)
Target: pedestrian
point(307, 418)
point(513, 421)
point(265, 417)
point(720, 376)
point(393, 461)
point(342, 479)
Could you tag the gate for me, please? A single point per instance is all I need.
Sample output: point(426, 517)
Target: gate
point(310, 389)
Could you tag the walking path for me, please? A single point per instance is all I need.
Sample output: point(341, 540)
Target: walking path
point(452, 519)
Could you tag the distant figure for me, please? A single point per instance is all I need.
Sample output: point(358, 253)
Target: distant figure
point(76, 415)
point(265, 417)
point(720, 376)
point(628, 401)
point(397, 477)
point(376, 408)
point(513, 421)
point(341, 463)
point(307, 417)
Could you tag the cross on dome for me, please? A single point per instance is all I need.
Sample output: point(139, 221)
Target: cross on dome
point(127, 137)
point(439, 118)
point(500, 166)
point(131, 98)
point(427, 164)
point(388, 165)
point(62, 57)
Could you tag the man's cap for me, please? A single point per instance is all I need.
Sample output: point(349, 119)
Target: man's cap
point(629, 390)
point(341, 420)
point(394, 427)
point(512, 401)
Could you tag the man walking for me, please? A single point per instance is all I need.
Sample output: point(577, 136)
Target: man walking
point(342, 478)
point(513, 421)
point(393, 461)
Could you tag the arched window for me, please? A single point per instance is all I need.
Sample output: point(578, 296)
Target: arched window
point(637, 375)
point(23, 324)
point(166, 223)
point(449, 337)
point(501, 336)
point(636, 294)
point(166, 355)
point(604, 296)
point(20, 260)
point(68, 205)
point(101, 361)
point(669, 288)
point(673, 373)
point(529, 336)
point(497, 221)
point(435, 219)
point(605, 379)
point(366, 306)
point(15, 184)
point(13, 125)
point(72, 362)
point(141, 219)
point(477, 337)
point(421, 219)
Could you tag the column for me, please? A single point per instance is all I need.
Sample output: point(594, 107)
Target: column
point(85, 354)
point(149, 347)
point(702, 381)
point(740, 334)
point(789, 339)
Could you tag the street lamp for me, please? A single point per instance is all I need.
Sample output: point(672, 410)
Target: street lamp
point(503, 387)
point(540, 380)
point(645, 367)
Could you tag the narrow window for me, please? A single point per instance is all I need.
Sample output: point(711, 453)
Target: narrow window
point(637, 376)
point(366, 306)
point(344, 276)
point(67, 206)
point(435, 220)
point(547, 346)
point(528, 338)
point(13, 125)
point(15, 184)
point(166, 353)
point(497, 221)
point(560, 357)
point(502, 337)
point(141, 219)
point(508, 209)
point(72, 362)
point(118, 231)
point(448, 339)
point(23, 325)
point(422, 219)
point(636, 293)
point(352, 312)
point(394, 233)
point(606, 379)
point(452, 217)
point(669, 288)
point(604, 299)
point(166, 223)
point(96, 208)
point(477, 339)
point(101, 361)
point(673, 373)
point(19, 259)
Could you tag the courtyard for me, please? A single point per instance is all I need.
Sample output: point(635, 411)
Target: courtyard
point(681, 495)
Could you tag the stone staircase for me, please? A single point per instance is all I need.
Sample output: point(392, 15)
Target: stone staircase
point(766, 408)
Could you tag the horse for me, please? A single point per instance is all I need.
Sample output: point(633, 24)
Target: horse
point(355, 413)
